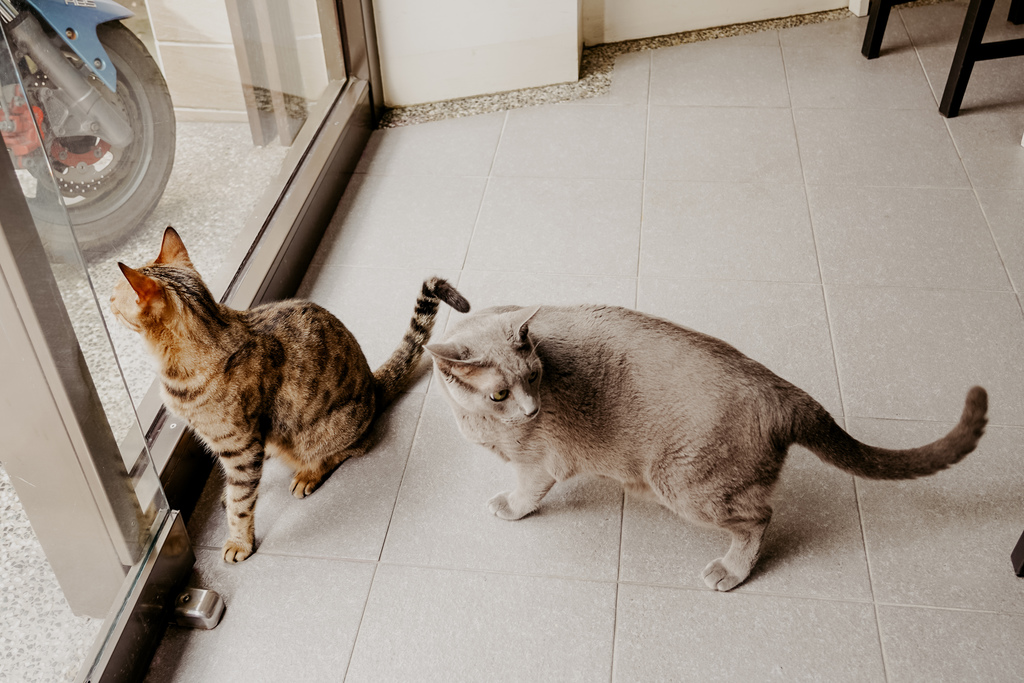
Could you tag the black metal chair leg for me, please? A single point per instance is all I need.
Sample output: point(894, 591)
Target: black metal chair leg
point(878, 17)
point(978, 13)
point(1016, 15)
point(1017, 557)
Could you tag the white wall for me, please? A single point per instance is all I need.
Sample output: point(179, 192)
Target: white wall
point(434, 50)
point(609, 21)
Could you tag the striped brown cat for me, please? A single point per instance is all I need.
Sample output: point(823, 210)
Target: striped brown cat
point(285, 379)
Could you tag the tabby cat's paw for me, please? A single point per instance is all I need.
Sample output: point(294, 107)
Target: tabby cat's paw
point(716, 576)
point(235, 552)
point(501, 507)
point(302, 486)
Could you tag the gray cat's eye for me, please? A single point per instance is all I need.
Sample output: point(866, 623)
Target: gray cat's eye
point(499, 396)
point(533, 377)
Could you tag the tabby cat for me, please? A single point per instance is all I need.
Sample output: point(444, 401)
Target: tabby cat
point(671, 413)
point(286, 379)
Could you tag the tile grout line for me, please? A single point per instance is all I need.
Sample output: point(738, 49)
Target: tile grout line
point(643, 180)
point(401, 482)
point(871, 575)
point(636, 305)
point(705, 278)
point(618, 577)
point(814, 236)
point(835, 365)
point(960, 156)
point(384, 540)
point(359, 628)
point(917, 53)
point(483, 195)
point(992, 235)
point(615, 630)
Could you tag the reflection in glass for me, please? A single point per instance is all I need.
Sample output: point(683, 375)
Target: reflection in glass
point(188, 116)
point(67, 308)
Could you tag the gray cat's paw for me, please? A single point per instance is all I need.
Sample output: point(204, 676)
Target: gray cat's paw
point(500, 506)
point(716, 576)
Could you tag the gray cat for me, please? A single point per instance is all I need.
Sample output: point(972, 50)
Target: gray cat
point(671, 413)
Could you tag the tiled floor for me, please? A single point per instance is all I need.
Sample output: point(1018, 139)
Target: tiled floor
point(776, 190)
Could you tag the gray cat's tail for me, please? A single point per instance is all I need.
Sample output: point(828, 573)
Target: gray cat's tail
point(393, 376)
point(820, 433)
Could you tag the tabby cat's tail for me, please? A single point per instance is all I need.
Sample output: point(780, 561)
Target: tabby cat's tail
point(828, 441)
point(393, 376)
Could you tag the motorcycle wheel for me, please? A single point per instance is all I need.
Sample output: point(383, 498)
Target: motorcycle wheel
point(108, 199)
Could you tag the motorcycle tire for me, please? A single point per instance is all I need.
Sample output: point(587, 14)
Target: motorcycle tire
point(107, 206)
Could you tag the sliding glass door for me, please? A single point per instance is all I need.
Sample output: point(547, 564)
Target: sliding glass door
point(238, 123)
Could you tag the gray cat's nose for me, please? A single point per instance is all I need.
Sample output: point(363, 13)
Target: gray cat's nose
point(531, 411)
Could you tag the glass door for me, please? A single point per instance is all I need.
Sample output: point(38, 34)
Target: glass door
point(237, 122)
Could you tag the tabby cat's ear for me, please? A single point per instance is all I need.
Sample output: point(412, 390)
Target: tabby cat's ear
point(146, 288)
point(172, 250)
point(521, 322)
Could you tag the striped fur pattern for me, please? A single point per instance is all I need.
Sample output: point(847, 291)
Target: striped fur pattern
point(673, 414)
point(285, 379)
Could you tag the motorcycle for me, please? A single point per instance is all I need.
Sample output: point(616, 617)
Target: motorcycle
point(103, 112)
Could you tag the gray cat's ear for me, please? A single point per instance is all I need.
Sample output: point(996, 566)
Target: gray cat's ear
point(521, 322)
point(444, 352)
point(448, 359)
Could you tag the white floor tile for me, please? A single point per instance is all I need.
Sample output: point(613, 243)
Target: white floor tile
point(442, 625)
point(454, 147)
point(286, 618)
point(1004, 210)
point(989, 142)
point(711, 74)
point(904, 237)
point(575, 226)
point(945, 540)
point(573, 142)
point(839, 77)
point(943, 645)
point(403, 222)
point(671, 634)
point(496, 288)
point(442, 519)
point(877, 147)
point(347, 517)
point(913, 353)
point(722, 144)
point(736, 231)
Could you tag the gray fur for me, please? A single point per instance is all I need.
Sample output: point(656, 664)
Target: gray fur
point(671, 413)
